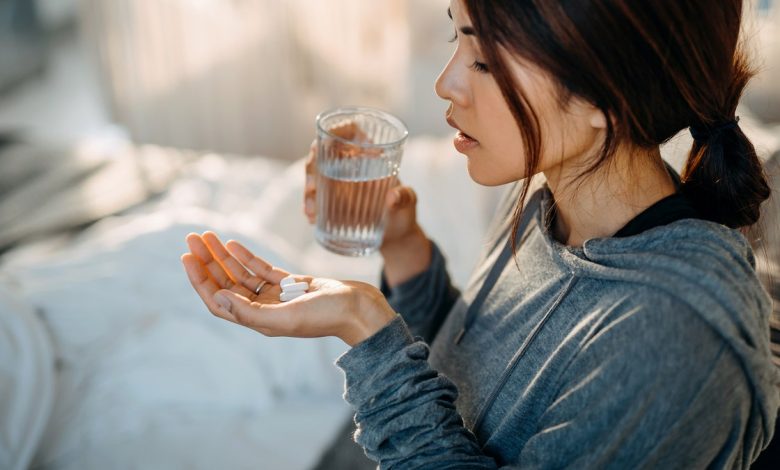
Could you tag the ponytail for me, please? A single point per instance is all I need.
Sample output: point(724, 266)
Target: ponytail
point(723, 176)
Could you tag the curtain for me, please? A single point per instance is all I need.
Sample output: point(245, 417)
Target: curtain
point(249, 76)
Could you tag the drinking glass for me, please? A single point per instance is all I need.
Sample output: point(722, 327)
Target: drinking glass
point(358, 155)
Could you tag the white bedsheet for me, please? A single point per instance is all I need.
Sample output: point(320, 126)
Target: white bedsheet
point(140, 360)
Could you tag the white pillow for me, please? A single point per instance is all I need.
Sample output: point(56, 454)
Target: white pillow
point(26, 380)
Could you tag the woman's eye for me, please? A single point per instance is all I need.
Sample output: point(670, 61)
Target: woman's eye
point(454, 37)
point(479, 67)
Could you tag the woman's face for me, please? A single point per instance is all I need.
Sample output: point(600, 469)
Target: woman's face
point(489, 135)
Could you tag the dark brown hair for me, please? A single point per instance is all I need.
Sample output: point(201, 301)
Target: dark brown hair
point(653, 68)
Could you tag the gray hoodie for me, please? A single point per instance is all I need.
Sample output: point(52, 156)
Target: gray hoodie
point(650, 351)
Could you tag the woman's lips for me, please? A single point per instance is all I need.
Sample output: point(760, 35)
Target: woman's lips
point(463, 142)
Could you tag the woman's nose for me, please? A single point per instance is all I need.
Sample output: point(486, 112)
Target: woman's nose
point(450, 85)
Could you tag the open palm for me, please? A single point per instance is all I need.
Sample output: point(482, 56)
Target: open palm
point(227, 277)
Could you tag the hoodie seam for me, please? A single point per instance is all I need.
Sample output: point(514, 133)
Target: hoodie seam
point(507, 373)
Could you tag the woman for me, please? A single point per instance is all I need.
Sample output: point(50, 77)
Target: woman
point(616, 319)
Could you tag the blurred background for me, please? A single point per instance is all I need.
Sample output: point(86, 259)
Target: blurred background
point(239, 76)
point(126, 124)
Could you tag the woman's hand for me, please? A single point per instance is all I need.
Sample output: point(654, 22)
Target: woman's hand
point(226, 278)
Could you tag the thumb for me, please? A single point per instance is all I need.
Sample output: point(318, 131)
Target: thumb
point(402, 197)
point(237, 307)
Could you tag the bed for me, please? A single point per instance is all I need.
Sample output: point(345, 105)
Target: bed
point(108, 358)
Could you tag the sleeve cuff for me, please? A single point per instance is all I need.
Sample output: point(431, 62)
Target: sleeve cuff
point(412, 293)
point(376, 366)
point(373, 351)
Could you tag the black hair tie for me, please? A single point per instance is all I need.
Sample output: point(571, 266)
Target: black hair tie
point(703, 133)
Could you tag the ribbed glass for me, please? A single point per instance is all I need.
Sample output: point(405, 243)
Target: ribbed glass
point(358, 155)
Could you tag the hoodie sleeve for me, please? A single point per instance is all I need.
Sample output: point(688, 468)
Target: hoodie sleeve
point(424, 300)
point(690, 409)
point(405, 412)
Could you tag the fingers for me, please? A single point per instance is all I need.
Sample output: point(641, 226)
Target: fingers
point(237, 272)
point(351, 141)
point(310, 198)
point(213, 268)
point(401, 197)
point(349, 130)
point(204, 285)
point(198, 248)
point(310, 209)
point(310, 187)
point(259, 266)
point(311, 160)
point(268, 319)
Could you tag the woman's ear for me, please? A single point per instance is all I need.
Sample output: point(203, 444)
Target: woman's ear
point(598, 120)
point(588, 112)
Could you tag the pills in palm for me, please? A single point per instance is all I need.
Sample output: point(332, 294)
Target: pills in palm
point(288, 296)
point(287, 281)
point(298, 286)
point(292, 289)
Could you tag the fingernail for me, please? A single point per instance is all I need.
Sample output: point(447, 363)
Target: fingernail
point(222, 300)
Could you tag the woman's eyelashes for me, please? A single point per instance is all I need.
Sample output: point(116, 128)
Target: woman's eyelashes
point(479, 67)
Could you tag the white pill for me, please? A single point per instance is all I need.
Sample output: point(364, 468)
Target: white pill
point(287, 281)
point(298, 286)
point(288, 296)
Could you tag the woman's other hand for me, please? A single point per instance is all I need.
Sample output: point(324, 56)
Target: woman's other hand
point(226, 278)
point(405, 248)
point(310, 187)
point(348, 131)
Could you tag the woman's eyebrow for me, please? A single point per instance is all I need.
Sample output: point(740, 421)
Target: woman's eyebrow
point(466, 30)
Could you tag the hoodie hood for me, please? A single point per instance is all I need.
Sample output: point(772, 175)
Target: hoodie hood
point(708, 266)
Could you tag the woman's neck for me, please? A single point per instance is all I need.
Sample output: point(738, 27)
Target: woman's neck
point(600, 204)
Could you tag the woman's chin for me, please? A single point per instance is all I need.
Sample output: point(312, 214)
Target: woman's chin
point(482, 177)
